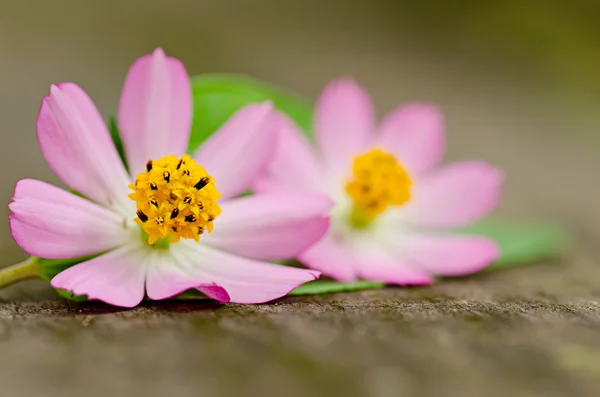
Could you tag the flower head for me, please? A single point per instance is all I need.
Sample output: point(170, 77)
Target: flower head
point(394, 211)
point(175, 197)
point(171, 222)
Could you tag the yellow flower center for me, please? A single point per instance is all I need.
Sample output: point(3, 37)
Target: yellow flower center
point(175, 198)
point(378, 182)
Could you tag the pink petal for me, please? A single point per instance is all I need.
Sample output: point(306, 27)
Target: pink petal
point(454, 196)
point(168, 276)
point(155, 111)
point(49, 222)
point(294, 166)
point(331, 257)
point(452, 255)
point(116, 278)
point(392, 271)
point(78, 147)
point(415, 135)
point(237, 153)
point(344, 120)
point(375, 263)
point(215, 292)
point(245, 280)
point(271, 227)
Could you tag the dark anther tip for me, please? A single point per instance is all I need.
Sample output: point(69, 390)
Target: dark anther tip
point(175, 213)
point(190, 218)
point(202, 182)
point(153, 186)
point(167, 176)
point(143, 217)
point(149, 165)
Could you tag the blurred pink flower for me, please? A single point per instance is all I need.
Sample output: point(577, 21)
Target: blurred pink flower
point(176, 198)
point(394, 211)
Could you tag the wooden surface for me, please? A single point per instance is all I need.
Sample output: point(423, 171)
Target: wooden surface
point(527, 332)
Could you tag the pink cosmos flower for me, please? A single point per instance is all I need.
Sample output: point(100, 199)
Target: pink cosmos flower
point(172, 196)
point(394, 211)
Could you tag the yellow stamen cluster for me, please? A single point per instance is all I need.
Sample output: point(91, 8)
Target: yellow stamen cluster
point(378, 181)
point(175, 197)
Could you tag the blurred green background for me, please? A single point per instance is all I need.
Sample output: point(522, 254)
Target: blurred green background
point(518, 80)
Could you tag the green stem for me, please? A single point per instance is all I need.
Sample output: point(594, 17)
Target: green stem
point(25, 270)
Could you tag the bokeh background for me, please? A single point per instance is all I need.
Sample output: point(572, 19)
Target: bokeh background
point(519, 80)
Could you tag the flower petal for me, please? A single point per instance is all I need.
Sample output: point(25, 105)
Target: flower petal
point(392, 271)
point(415, 134)
point(155, 111)
point(294, 166)
point(78, 147)
point(116, 278)
point(454, 196)
point(331, 257)
point(344, 120)
point(376, 262)
point(49, 222)
point(168, 276)
point(451, 255)
point(271, 227)
point(237, 153)
point(245, 280)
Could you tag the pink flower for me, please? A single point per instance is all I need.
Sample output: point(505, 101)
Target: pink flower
point(394, 211)
point(144, 224)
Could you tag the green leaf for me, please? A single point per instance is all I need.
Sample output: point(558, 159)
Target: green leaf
point(217, 97)
point(51, 267)
point(191, 294)
point(319, 287)
point(521, 242)
point(71, 296)
point(116, 137)
point(316, 287)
